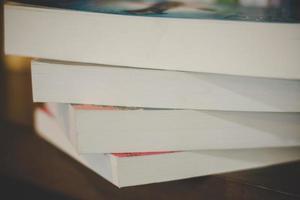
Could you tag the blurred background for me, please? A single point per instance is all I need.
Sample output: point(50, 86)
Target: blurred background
point(15, 85)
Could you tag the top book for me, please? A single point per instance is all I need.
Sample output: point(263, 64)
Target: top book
point(246, 37)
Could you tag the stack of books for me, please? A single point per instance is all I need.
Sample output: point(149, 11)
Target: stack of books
point(151, 91)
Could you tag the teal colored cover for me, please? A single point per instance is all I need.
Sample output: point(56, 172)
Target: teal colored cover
point(285, 11)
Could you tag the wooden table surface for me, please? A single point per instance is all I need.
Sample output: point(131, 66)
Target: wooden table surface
point(31, 168)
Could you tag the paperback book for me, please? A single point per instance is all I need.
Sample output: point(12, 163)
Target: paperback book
point(237, 38)
point(105, 129)
point(128, 169)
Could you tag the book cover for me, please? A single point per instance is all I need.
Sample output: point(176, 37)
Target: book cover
point(286, 11)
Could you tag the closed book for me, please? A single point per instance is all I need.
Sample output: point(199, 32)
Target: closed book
point(105, 129)
point(128, 169)
point(228, 37)
point(79, 83)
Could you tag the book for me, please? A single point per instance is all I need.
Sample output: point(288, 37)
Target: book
point(104, 129)
point(224, 37)
point(130, 87)
point(128, 169)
